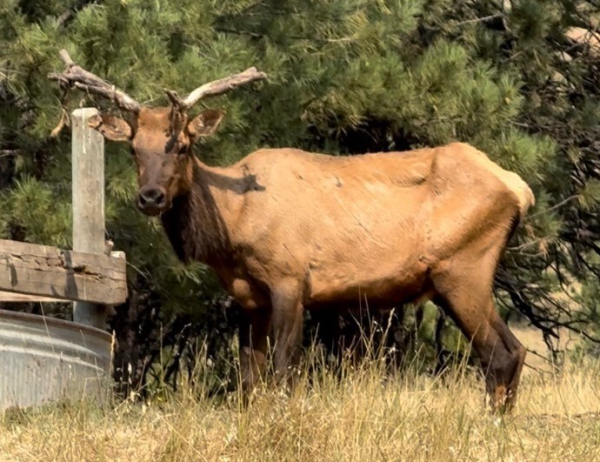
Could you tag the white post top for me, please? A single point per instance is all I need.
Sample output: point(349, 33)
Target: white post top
point(84, 112)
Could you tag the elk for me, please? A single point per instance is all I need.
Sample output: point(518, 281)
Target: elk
point(287, 230)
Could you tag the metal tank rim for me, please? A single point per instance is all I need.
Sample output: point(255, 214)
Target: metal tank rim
point(61, 323)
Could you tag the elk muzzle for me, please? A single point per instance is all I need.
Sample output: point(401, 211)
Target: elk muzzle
point(152, 200)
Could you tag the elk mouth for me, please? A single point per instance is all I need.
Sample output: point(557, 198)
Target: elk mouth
point(152, 210)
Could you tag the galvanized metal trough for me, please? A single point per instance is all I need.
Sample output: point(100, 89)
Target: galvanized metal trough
point(45, 360)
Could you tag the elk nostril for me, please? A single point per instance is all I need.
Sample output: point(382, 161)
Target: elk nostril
point(159, 197)
point(141, 199)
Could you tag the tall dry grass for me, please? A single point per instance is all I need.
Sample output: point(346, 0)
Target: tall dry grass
point(364, 416)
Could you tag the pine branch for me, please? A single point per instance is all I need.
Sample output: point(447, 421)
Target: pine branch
point(482, 19)
point(70, 14)
point(228, 30)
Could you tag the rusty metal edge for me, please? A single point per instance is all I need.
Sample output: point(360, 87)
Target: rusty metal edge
point(37, 318)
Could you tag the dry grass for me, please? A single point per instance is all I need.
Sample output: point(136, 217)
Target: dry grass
point(363, 417)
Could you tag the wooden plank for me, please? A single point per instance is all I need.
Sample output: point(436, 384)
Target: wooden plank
point(50, 272)
point(15, 297)
point(88, 202)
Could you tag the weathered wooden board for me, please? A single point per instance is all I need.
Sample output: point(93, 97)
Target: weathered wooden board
point(50, 272)
point(15, 297)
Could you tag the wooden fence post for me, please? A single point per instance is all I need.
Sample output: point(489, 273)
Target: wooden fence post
point(88, 203)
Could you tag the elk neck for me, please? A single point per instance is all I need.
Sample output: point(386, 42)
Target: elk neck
point(200, 221)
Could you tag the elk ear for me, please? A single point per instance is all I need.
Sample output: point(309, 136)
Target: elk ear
point(111, 127)
point(205, 123)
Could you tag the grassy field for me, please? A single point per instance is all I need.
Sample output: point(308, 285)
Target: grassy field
point(366, 416)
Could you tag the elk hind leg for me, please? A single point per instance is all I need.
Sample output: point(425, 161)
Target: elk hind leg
point(518, 353)
point(500, 353)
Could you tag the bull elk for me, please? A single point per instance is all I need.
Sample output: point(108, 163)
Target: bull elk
point(287, 230)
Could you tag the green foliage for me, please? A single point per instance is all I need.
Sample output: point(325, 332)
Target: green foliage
point(37, 208)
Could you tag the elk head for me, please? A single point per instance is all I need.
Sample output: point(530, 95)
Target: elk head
point(161, 138)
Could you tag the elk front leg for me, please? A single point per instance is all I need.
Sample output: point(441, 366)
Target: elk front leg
point(287, 311)
point(254, 330)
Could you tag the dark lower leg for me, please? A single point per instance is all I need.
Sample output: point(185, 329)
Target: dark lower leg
point(287, 333)
point(502, 364)
point(254, 328)
point(501, 355)
point(496, 364)
point(517, 354)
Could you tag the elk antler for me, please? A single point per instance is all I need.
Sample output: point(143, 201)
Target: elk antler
point(77, 77)
point(214, 88)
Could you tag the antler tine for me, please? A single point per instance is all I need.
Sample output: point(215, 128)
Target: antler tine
point(217, 87)
point(76, 77)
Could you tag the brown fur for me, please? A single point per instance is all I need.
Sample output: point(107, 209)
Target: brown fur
point(287, 230)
